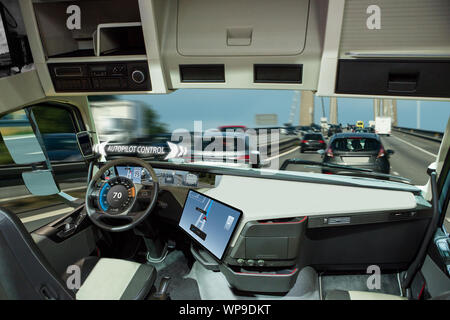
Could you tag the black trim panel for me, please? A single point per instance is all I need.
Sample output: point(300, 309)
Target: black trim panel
point(421, 78)
point(277, 73)
point(202, 73)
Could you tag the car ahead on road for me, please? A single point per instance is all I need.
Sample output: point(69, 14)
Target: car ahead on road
point(230, 149)
point(290, 130)
point(303, 129)
point(333, 129)
point(362, 150)
point(312, 142)
point(315, 127)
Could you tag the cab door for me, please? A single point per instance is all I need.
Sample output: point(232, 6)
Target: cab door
point(44, 177)
point(434, 278)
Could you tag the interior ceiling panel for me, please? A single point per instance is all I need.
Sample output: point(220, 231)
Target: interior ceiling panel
point(407, 26)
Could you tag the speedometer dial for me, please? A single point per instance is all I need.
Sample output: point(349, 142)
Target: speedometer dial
point(117, 195)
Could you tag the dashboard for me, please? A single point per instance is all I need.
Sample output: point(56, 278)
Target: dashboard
point(166, 177)
point(122, 188)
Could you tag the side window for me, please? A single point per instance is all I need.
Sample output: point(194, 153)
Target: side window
point(58, 129)
point(444, 190)
point(27, 183)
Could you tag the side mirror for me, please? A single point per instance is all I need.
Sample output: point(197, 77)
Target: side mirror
point(390, 152)
point(432, 168)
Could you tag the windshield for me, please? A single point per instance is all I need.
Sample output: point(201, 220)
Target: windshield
point(261, 129)
point(355, 144)
point(312, 137)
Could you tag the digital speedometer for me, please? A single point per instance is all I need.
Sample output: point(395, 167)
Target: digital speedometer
point(116, 195)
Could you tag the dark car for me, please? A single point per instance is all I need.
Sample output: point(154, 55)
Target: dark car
point(315, 127)
point(362, 150)
point(290, 130)
point(312, 141)
point(303, 129)
point(333, 129)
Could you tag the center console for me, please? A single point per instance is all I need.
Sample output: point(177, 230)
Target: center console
point(264, 256)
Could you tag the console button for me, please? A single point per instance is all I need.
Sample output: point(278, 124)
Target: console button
point(138, 76)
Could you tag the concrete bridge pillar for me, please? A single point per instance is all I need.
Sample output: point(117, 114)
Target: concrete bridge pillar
point(394, 113)
point(306, 108)
point(333, 111)
point(376, 108)
point(389, 109)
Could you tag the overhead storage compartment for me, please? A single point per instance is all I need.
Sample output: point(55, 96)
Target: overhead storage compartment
point(421, 78)
point(59, 40)
point(236, 27)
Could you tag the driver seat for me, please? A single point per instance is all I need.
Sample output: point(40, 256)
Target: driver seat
point(26, 274)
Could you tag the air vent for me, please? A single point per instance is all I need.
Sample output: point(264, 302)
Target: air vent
point(278, 73)
point(202, 73)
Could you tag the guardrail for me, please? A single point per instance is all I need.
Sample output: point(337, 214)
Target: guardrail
point(425, 134)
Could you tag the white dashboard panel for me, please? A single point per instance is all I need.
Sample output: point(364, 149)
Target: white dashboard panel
point(261, 199)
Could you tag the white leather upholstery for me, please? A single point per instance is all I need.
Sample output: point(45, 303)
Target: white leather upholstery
point(108, 280)
point(364, 295)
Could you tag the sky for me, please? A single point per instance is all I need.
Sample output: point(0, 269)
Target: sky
point(238, 107)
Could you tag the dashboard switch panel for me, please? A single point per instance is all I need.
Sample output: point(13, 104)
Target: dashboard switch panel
point(100, 76)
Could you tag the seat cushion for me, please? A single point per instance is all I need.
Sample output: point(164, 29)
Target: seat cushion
point(360, 295)
point(114, 279)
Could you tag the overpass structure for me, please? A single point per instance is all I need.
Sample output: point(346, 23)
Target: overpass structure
point(381, 108)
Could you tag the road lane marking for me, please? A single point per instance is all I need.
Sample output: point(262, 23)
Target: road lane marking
point(32, 195)
point(414, 146)
point(282, 154)
point(46, 215)
point(396, 173)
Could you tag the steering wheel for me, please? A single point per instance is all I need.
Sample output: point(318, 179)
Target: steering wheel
point(113, 200)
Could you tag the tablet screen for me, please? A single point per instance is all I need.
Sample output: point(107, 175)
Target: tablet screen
point(209, 222)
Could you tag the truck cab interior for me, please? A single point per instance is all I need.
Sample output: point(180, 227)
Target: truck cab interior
point(101, 199)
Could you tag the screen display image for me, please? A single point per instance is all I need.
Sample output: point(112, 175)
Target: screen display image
point(209, 222)
point(132, 173)
point(5, 57)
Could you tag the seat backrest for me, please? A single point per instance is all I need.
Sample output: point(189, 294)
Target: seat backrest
point(24, 271)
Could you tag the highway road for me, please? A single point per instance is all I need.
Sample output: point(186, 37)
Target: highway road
point(411, 159)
